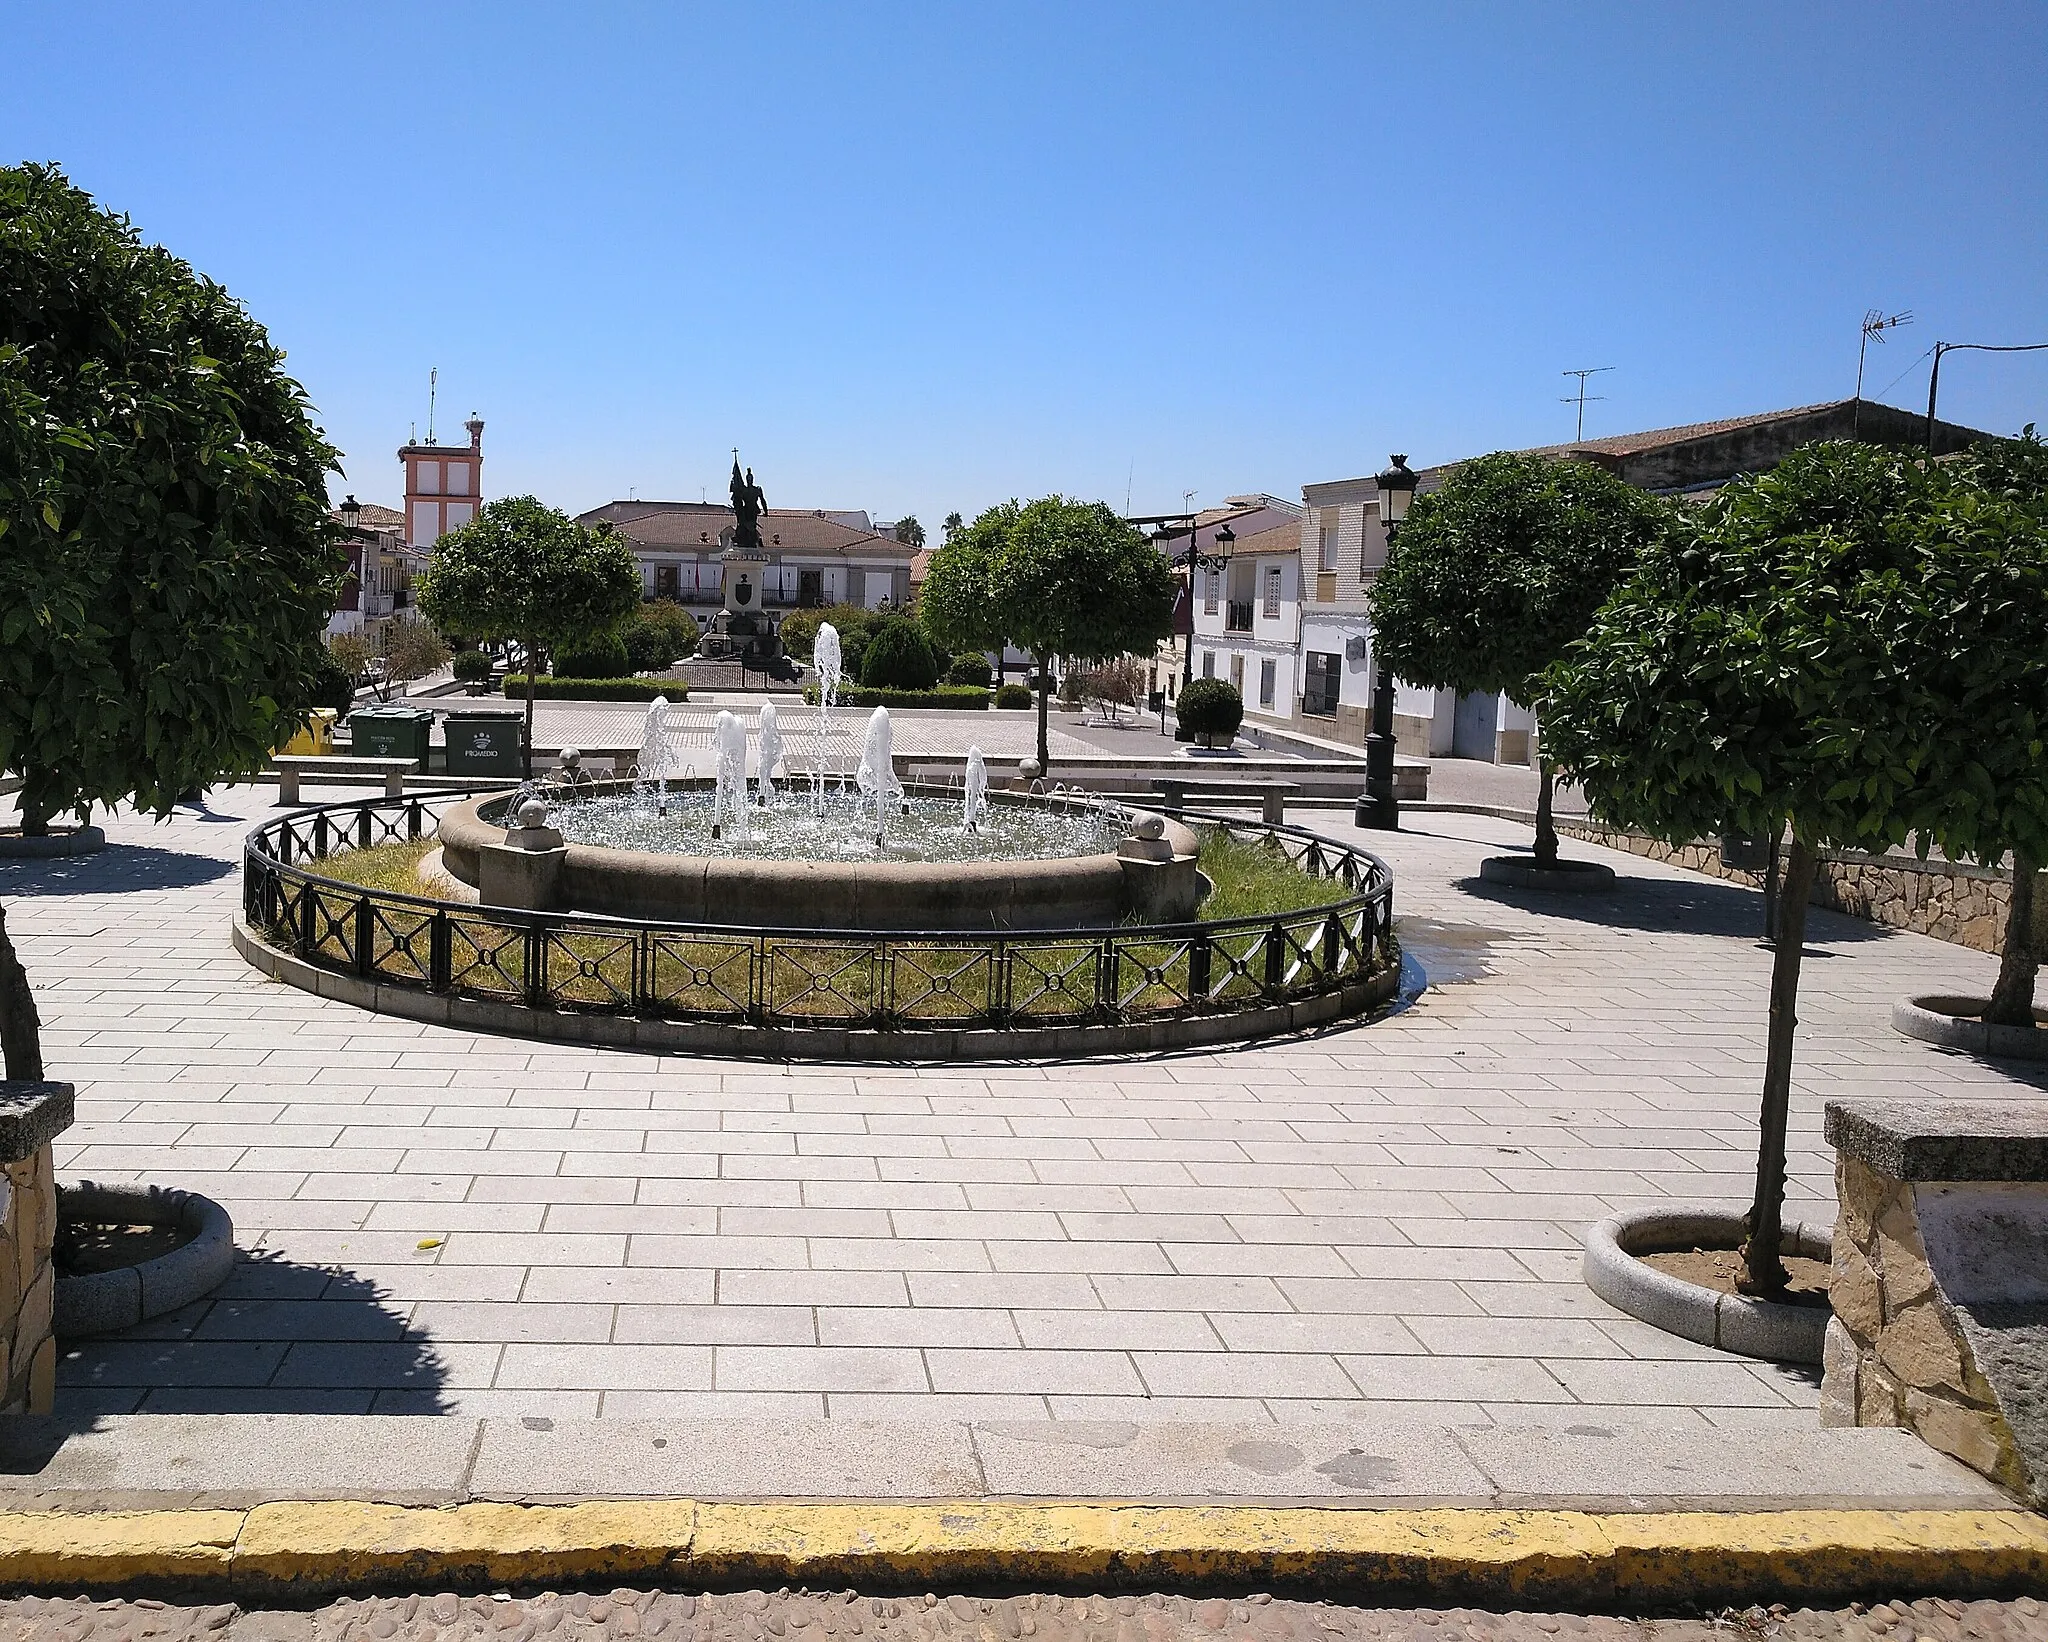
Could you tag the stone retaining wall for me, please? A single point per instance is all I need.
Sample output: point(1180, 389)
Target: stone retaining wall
point(1940, 1280)
point(30, 1113)
point(1946, 899)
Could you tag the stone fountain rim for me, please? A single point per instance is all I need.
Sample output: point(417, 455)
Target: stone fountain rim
point(1184, 839)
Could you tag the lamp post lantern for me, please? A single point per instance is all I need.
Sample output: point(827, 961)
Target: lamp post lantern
point(1191, 559)
point(351, 513)
point(1378, 807)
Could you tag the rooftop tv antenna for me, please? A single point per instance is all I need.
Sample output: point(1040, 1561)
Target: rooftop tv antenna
point(433, 388)
point(1875, 324)
point(1582, 396)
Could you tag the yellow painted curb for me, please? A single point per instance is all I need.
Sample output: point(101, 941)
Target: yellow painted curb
point(1567, 1559)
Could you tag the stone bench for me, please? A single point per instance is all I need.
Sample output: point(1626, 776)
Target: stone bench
point(291, 766)
point(1940, 1280)
point(1272, 795)
point(31, 1114)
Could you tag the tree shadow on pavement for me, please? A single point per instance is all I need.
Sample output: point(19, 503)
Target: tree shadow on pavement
point(113, 871)
point(278, 1337)
point(1661, 906)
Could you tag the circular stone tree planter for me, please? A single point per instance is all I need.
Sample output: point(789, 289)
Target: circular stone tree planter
point(16, 845)
point(1731, 1322)
point(1958, 1023)
point(102, 1301)
point(1568, 877)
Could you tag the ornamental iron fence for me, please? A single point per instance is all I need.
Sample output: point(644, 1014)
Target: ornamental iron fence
point(743, 975)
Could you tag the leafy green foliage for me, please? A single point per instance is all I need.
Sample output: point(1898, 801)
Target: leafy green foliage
point(1055, 576)
point(660, 633)
point(167, 561)
point(1502, 567)
point(855, 626)
point(970, 668)
point(1208, 708)
point(603, 656)
point(333, 685)
point(1767, 662)
point(473, 666)
point(1014, 697)
point(909, 531)
point(899, 657)
point(522, 570)
point(548, 688)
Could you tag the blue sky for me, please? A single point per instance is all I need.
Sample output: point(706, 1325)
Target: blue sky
point(927, 257)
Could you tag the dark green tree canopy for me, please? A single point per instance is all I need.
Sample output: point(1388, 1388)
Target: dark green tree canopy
point(1765, 664)
point(167, 561)
point(1499, 569)
point(523, 570)
point(956, 605)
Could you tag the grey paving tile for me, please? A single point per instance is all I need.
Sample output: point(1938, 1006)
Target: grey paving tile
point(1036, 1372)
point(604, 1367)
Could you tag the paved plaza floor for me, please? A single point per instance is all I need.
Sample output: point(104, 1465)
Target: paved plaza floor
point(1379, 1220)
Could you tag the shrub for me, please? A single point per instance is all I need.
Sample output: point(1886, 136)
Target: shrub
point(799, 629)
point(473, 667)
point(603, 657)
point(955, 696)
point(659, 635)
point(412, 649)
point(971, 668)
point(595, 689)
point(899, 657)
point(334, 686)
point(1014, 697)
point(1208, 708)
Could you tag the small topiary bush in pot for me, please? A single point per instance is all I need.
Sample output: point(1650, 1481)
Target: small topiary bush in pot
point(1208, 708)
point(473, 667)
point(1014, 697)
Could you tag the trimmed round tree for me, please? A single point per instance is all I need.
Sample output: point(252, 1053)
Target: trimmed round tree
point(523, 570)
point(1055, 576)
point(1209, 707)
point(1497, 571)
point(1756, 672)
point(899, 657)
point(1980, 662)
point(167, 562)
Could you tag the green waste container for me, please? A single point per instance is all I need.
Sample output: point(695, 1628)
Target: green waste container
point(391, 732)
point(483, 742)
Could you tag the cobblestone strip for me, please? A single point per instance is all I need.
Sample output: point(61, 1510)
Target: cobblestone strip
point(781, 1616)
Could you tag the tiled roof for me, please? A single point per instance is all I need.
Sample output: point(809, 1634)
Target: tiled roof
point(693, 527)
point(1280, 539)
point(1631, 444)
point(375, 516)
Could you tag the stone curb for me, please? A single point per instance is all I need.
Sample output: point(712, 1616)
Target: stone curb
point(103, 1301)
point(70, 841)
point(1729, 1322)
point(1566, 878)
point(1563, 1559)
point(1944, 1020)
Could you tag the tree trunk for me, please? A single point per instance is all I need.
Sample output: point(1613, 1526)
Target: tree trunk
point(34, 803)
point(2012, 999)
point(1043, 684)
point(21, 1039)
point(1546, 834)
point(1762, 1249)
point(532, 671)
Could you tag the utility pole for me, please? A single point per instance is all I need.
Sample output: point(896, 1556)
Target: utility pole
point(1582, 396)
point(1934, 376)
point(1875, 324)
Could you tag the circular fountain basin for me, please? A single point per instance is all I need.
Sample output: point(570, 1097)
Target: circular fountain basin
point(1027, 868)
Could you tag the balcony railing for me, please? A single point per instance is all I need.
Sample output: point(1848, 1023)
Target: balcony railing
point(1238, 618)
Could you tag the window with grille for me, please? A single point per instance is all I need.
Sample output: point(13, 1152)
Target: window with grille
point(1209, 591)
point(1320, 678)
point(1272, 592)
point(1268, 672)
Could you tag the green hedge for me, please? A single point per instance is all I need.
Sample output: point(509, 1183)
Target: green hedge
point(956, 696)
point(596, 689)
point(1014, 696)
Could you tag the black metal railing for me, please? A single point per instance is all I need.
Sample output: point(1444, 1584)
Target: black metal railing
point(1238, 617)
point(893, 980)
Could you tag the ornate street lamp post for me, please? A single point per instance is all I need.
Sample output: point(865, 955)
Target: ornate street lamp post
point(1378, 807)
point(1191, 560)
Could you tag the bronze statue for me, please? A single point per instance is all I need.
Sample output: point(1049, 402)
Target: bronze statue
point(748, 504)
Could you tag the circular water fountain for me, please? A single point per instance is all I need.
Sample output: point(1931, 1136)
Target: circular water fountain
point(836, 844)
